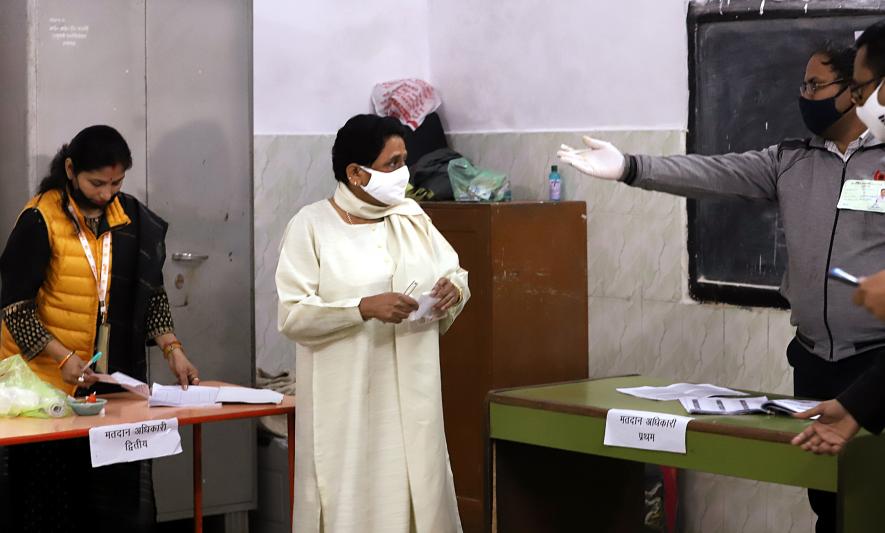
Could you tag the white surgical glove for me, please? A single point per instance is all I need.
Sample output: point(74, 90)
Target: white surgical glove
point(599, 160)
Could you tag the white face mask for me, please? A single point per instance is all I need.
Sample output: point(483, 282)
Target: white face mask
point(872, 114)
point(389, 188)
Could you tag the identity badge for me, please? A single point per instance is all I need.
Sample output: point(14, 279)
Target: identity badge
point(863, 195)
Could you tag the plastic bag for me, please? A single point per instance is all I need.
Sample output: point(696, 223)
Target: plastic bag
point(471, 184)
point(22, 393)
point(409, 100)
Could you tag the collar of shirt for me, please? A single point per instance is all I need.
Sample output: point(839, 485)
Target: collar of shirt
point(865, 139)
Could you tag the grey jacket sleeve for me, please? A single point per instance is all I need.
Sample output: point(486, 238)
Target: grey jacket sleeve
point(750, 175)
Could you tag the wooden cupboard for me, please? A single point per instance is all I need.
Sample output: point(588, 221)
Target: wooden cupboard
point(525, 324)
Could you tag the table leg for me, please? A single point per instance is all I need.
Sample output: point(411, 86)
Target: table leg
point(290, 423)
point(198, 478)
point(861, 470)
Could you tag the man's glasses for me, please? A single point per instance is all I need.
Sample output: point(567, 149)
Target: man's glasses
point(857, 89)
point(808, 88)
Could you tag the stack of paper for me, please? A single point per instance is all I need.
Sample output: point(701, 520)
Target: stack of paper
point(744, 406)
point(174, 396)
point(702, 400)
point(680, 390)
point(723, 406)
point(195, 395)
point(788, 406)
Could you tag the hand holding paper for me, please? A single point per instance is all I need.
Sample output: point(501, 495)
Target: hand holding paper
point(426, 309)
point(446, 293)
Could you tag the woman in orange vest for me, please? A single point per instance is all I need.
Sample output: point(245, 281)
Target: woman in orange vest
point(81, 273)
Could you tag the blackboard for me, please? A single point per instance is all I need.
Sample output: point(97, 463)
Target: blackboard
point(746, 61)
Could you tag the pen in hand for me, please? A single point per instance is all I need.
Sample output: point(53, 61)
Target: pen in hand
point(410, 288)
point(91, 362)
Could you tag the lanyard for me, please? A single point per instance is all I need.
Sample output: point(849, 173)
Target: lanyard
point(101, 283)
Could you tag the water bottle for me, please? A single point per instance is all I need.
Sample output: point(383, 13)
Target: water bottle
point(554, 182)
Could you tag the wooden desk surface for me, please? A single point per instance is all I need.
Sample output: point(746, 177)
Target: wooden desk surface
point(126, 407)
point(540, 434)
point(596, 397)
point(571, 417)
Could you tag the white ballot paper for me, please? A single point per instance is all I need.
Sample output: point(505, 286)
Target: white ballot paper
point(129, 383)
point(680, 390)
point(201, 396)
point(247, 395)
point(645, 430)
point(425, 308)
point(124, 443)
point(175, 396)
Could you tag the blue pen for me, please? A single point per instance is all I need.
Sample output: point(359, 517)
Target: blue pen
point(91, 362)
point(94, 359)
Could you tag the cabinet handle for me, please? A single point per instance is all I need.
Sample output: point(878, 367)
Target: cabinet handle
point(189, 257)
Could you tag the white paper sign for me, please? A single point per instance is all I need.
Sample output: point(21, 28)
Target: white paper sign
point(124, 443)
point(645, 430)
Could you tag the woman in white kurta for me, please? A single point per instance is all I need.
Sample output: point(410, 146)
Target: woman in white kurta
point(370, 451)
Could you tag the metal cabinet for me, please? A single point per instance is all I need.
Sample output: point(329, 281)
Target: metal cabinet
point(175, 78)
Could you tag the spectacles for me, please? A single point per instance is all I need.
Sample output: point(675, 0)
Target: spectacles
point(811, 87)
point(857, 89)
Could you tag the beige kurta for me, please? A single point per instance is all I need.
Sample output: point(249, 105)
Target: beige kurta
point(370, 451)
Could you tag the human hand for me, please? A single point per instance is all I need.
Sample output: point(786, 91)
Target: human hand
point(829, 433)
point(447, 293)
point(871, 294)
point(599, 160)
point(75, 367)
point(182, 368)
point(390, 307)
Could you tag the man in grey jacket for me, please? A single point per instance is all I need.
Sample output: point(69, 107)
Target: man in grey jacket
point(835, 341)
point(863, 403)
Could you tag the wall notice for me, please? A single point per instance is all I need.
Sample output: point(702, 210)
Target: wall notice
point(65, 33)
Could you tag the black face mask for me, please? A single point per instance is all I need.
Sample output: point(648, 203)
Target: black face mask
point(819, 115)
point(83, 201)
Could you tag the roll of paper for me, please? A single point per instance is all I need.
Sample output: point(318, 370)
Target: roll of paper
point(55, 408)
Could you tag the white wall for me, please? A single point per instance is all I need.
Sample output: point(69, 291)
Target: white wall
point(563, 65)
point(515, 66)
point(315, 62)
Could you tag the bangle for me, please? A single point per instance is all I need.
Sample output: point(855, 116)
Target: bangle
point(460, 294)
point(65, 360)
point(169, 348)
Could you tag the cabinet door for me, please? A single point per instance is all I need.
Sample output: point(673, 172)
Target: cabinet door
point(199, 161)
point(465, 354)
point(88, 68)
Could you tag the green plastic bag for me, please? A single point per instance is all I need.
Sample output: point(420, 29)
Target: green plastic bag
point(22, 393)
point(471, 184)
